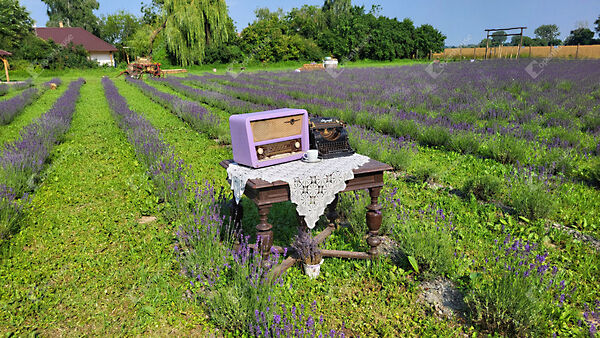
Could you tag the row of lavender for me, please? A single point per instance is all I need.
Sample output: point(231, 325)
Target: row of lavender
point(191, 112)
point(10, 108)
point(5, 87)
point(507, 145)
point(495, 90)
point(230, 282)
point(552, 129)
point(21, 161)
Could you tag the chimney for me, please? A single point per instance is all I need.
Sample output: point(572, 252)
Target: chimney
point(60, 24)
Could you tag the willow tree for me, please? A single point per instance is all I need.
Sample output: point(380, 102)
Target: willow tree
point(190, 25)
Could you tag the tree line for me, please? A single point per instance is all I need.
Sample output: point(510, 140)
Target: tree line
point(192, 32)
point(546, 35)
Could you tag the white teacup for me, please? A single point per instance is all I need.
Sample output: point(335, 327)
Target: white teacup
point(311, 155)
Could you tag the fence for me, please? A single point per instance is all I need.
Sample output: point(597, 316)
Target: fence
point(567, 52)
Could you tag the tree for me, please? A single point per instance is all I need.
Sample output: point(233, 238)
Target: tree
point(548, 34)
point(264, 13)
point(15, 24)
point(337, 6)
point(428, 39)
point(580, 36)
point(73, 13)
point(190, 25)
point(498, 37)
point(527, 41)
point(117, 28)
point(597, 22)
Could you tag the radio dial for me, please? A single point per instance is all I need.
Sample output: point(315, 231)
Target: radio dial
point(297, 145)
point(260, 151)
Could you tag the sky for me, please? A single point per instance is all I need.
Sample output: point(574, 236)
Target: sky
point(462, 21)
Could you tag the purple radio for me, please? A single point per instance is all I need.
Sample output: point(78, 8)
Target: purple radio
point(269, 137)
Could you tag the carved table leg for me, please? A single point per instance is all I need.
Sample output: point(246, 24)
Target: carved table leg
point(374, 219)
point(264, 230)
point(332, 214)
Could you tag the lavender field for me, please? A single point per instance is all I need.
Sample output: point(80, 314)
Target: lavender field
point(119, 217)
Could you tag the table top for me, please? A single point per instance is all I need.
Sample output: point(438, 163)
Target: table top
point(370, 167)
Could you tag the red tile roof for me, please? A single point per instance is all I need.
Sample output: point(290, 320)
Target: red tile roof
point(77, 35)
point(4, 53)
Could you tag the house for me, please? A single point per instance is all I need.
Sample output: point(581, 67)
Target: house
point(98, 49)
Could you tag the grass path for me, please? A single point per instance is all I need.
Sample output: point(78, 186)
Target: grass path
point(11, 131)
point(83, 264)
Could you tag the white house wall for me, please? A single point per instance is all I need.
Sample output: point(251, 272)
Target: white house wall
point(102, 58)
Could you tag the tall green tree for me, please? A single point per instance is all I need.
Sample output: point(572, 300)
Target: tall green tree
point(597, 22)
point(428, 39)
point(498, 38)
point(580, 36)
point(190, 25)
point(118, 27)
point(15, 24)
point(547, 34)
point(73, 13)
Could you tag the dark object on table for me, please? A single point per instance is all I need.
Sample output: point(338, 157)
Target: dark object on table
point(329, 136)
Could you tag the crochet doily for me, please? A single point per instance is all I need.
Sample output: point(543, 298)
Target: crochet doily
point(313, 186)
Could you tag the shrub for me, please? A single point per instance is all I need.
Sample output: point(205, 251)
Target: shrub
point(515, 293)
point(428, 172)
point(532, 200)
point(425, 238)
point(507, 150)
point(11, 212)
point(464, 143)
point(485, 188)
point(435, 137)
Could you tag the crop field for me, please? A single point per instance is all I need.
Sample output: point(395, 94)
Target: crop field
point(114, 209)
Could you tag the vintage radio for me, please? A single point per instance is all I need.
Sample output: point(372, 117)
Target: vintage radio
point(269, 137)
point(329, 136)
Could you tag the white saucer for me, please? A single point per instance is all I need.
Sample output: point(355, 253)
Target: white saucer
point(307, 161)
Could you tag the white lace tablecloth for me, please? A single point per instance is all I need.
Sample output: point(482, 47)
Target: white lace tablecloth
point(312, 185)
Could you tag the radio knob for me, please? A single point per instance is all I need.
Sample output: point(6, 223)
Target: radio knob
point(297, 144)
point(260, 151)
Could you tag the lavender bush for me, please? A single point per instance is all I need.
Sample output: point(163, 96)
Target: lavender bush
point(223, 101)
point(10, 108)
point(306, 248)
point(196, 115)
point(11, 212)
point(517, 291)
point(5, 88)
point(23, 159)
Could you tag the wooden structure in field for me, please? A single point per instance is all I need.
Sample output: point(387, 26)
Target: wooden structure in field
point(3, 55)
point(487, 38)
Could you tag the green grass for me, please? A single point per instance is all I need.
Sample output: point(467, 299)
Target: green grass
point(83, 265)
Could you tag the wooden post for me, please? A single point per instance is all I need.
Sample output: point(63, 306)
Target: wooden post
point(430, 54)
point(520, 44)
point(474, 51)
point(460, 52)
point(530, 51)
point(6, 69)
point(577, 52)
point(487, 44)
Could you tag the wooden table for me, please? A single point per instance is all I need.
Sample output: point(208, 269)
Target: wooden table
point(264, 195)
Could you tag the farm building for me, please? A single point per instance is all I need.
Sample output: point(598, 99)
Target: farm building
point(99, 49)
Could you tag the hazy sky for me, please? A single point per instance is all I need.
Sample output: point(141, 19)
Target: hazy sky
point(462, 21)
